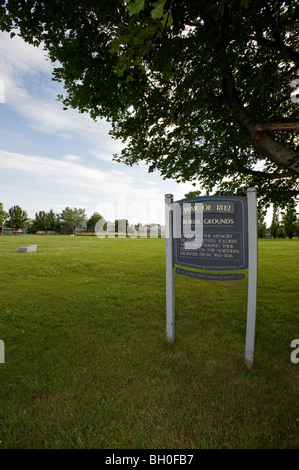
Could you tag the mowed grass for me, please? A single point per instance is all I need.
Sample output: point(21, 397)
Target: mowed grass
point(87, 364)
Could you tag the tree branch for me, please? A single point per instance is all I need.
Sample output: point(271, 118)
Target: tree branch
point(272, 176)
point(262, 141)
point(277, 126)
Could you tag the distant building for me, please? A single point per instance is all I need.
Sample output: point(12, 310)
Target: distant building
point(110, 227)
point(9, 230)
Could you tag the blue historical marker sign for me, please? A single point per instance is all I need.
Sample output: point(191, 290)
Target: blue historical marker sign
point(216, 238)
point(212, 233)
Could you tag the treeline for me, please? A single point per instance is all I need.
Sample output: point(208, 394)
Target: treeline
point(70, 219)
point(284, 223)
point(16, 218)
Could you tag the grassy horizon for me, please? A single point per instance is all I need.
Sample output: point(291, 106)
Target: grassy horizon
point(87, 364)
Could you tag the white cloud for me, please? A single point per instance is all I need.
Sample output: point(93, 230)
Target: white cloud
point(63, 172)
point(68, 179)
point(72, 174)
point(101, 155)
point(38, 104)
point(20, 57)
point(71, 158)
point(57, 183)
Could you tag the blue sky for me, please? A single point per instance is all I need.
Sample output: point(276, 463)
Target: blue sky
point(51, 158)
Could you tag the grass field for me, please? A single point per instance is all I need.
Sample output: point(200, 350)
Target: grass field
point(87, 364)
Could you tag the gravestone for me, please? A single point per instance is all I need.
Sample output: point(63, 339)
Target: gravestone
point(28, 248)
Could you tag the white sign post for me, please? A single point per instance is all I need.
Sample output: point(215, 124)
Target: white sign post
point(169, 268)
point(252, 277)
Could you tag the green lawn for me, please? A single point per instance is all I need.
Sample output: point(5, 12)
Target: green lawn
point(87, 364)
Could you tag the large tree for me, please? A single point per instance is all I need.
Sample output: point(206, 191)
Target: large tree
point(73, 217)
point(261, 224)
point(289, 220)
point(202, 90)
point(17, 218)
point(46, 221)
point(54, 223)
point(92, 221)
point(3, 217)
point(41, 220)
point(275, 225)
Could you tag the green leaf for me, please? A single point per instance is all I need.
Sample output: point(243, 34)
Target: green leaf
point(167, 19)
point(136, 7)
point(115, 45)
point(158, 10)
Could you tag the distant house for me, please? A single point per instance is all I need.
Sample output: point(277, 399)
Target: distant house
point(12, 230)
point(83, 228)
point(29, 222)
point(141, 228)
point(154, 229)
point(8, 230)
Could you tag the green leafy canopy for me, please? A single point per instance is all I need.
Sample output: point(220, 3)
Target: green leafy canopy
point(199, 90)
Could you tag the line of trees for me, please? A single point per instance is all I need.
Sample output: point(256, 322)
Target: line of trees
point(284, 222)
point(17, 218)
point(70, 218)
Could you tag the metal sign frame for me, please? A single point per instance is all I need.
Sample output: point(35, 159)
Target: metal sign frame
point(249, 244)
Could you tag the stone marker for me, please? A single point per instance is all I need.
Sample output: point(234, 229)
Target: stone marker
point(28, 248)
